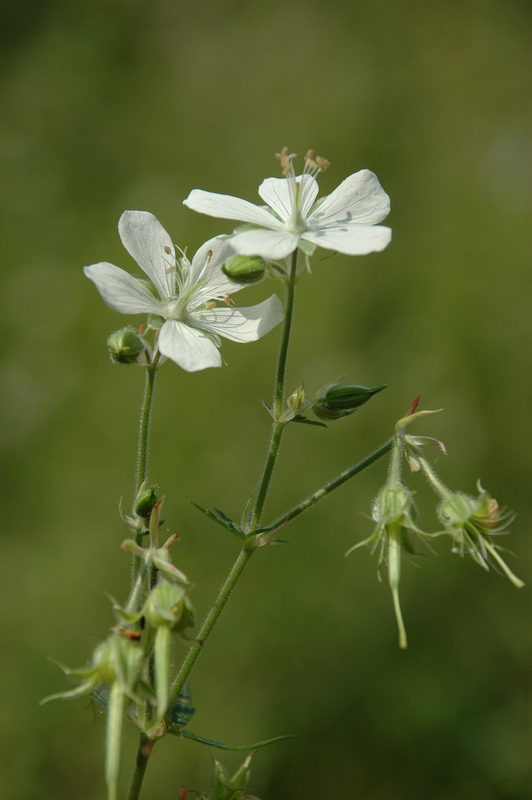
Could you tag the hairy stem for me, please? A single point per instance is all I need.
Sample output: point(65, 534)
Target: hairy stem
point(342, 478)
point(144, 425)
point(141, 762)
point(210, 621)
point(250, 547)
point(278, 426)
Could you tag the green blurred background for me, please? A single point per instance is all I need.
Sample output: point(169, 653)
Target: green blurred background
point(115, 104)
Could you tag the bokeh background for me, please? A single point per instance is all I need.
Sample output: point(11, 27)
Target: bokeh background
point(115, 104)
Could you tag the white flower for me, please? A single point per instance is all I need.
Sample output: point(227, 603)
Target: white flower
point(344, 221)
point(192, 323)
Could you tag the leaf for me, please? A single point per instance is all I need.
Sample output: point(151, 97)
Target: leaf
point(182, 711)
point(221, 518)
point(222, 746)
point(306, 421)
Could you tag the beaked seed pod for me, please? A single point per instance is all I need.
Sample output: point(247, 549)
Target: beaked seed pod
point(245, 269)
point(125, 346)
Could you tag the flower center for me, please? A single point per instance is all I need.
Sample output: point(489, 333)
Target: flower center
point(296, 223)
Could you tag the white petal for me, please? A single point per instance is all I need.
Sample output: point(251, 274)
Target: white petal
point(307, 193)
point(148, 243)
point(276, 192)
point(352, 240)
point(121, 291)
point(241, 324)
point(360, 198)
point(188, 347)
point(226, 207)
point(208, 270)
point(271, 245)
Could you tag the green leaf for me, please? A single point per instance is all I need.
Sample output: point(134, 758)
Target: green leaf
point(306, 421)
point(222, 519)
point(222, 746)
point(182, 711)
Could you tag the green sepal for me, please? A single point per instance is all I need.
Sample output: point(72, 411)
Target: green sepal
point(155, 322)
point(218, 516)
point(184, 734)
point(267, 407)
point(72, 694)
point(306, 421)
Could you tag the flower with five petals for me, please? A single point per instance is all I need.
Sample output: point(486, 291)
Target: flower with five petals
point(344, 221)
point(182, 294)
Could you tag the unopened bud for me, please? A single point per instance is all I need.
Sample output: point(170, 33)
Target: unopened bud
point(125, 346)
point(296, 401)
point(145, 500)
point(340, 400)
point(245, 269)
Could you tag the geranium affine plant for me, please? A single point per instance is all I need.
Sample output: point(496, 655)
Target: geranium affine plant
point(186, 307)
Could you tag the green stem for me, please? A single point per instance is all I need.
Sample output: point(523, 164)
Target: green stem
point(437, 484)
point(143, 448)
point(394, 480)
point(278, 426)
point(345, 476)
point(141, 762)
point(210, 621)
point(144, 426)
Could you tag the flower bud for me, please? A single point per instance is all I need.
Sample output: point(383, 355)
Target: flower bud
point(340, 400)
point(125, 346)
point(296, 401)
point(245, 269)
point(145, 500)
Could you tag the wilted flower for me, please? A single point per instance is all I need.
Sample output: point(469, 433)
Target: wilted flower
point(472, 523)
point(344, 221)
point(182, 294)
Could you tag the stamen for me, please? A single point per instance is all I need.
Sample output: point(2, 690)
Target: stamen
point(228, 300)
point(314, 163)
point(208, 257)
point(210, 305)
point(286, 161)
point(167, 249)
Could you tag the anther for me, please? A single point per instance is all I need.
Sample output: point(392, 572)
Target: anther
point(285, 160)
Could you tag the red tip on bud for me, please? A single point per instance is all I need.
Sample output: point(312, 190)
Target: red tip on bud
point(415, 403)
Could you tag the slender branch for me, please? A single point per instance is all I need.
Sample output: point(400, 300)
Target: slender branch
point(144, 426)
point(278, 426)
point(210, 621)
point(345, 476)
